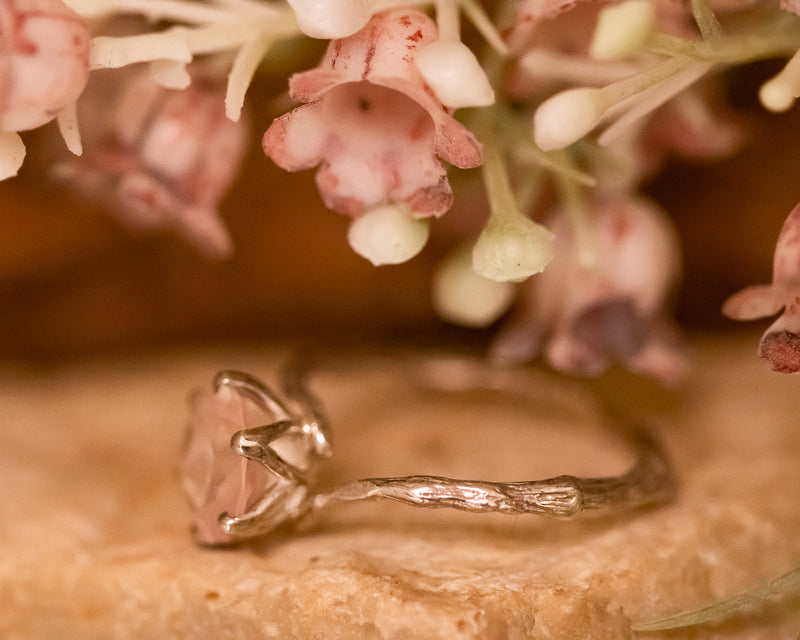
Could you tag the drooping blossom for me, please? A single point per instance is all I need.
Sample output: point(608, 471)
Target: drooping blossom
point(585, 312)
point(165, 158)
point(44, 61)
point(373, 126)
point(791, 5)
point(780, 344)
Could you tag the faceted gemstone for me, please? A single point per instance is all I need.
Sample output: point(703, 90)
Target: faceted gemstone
point(216, 479)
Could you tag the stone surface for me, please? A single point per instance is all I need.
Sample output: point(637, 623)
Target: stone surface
point(94, 528)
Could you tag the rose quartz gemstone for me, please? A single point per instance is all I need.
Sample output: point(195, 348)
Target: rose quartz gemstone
point(216, 479)
point(44, 61)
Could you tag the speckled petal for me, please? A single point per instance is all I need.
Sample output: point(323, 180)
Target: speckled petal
point(780, 344)
point(44, 61)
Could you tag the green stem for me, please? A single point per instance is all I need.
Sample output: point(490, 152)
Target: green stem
point(477, 16)
point(777, 34)
point(785, 584)
point(502, 203)
point(707, 22)
point(577, 213)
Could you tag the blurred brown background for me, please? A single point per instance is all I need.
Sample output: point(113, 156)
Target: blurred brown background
point(73, 280)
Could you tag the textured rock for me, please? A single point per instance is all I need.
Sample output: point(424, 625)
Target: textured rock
point(94, 529)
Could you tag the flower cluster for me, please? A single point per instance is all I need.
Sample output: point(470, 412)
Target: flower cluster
point(579, 99)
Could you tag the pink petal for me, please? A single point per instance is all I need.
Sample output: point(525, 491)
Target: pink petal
point(531, 13)
point(166, 157)
point(294, 141)
point(567, 354)
point(791, 5)
point(662, 357)
point(44, 61)
point(688, 126)
point(786, 264)
point(755, 302)
point(780, 344)
point(379, 148)
point(383, 54)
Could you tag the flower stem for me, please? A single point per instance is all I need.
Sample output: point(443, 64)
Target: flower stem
point(775, 34)
point(618, 91)
point(448, 19)
point(577, 213)
point(175, 10)
point(477, 16)
point(502, 203)
point(707, 22)
point(181, 43)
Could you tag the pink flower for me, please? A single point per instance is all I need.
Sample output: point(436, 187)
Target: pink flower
point(690, 125)
point(791, 5)
point(780, 344)
point(585, 315)
point(372, 124)
point(166, 158)
point(44, 61)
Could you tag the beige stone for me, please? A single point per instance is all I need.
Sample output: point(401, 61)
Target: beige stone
point(94, 541)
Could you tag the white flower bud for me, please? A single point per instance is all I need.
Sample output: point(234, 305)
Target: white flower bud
point(387, 234)
point(12, 154)
point(623, 29)
point(777, 96)
point(512, 249)
point(463, 297)
point(567, 117)
point(780, 93)
point(331, 19)
point(454, 74)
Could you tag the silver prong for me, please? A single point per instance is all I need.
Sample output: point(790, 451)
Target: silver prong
point(285, 503)
point(253, 389)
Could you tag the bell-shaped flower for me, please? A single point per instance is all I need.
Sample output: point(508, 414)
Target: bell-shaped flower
point(165, 158)
point(44, 67)
point(780, 344)
point(372, 124)
point(588, 310)
point(44, 61)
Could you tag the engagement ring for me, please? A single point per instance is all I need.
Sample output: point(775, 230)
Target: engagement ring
point(252, 456)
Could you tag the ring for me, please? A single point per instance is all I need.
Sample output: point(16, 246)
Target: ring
point(251, 459)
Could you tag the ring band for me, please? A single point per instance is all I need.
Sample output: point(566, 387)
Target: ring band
point(292, 447)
